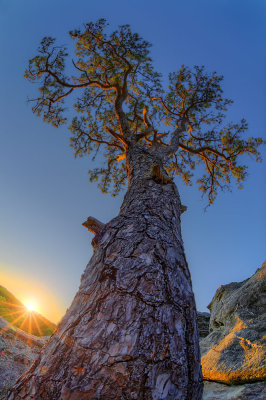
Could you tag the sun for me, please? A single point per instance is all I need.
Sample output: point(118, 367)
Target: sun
point(30, 306)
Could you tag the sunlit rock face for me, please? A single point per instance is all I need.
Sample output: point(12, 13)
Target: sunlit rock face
point(234, 351)
point(18, 351)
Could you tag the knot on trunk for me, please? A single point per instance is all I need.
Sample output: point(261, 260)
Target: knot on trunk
point(95, 226)
point(159, 175)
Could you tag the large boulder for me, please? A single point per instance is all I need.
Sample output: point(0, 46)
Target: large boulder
point(234, 351)
point(248, 391)
point(203, 319)
point(18, 350)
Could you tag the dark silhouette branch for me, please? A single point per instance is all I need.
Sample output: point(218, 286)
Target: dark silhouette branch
point(76, 86)
point(200, 150)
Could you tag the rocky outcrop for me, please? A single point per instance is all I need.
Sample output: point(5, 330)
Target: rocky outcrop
point(248, 391)
point(18, 350)
point(203, 319)
point(234, 351)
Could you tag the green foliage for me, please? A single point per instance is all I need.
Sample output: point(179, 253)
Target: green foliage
point(6, 296)
point(120, 102)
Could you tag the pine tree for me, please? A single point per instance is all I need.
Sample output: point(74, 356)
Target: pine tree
point(131, 331)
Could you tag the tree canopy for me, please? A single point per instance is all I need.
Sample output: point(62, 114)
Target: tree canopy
point(119, 101)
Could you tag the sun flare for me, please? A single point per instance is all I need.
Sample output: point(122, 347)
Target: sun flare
point(30, 306)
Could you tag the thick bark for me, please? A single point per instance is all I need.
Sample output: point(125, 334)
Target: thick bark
point(131, 331)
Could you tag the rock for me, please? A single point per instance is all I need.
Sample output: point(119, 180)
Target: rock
point(203, 323)
point(248, 391)
point(18, 350)
point(234, 351)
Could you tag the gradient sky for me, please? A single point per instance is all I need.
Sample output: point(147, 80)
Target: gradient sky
point(45, 192)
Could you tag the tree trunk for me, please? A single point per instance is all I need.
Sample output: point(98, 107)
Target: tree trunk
point(131, 331)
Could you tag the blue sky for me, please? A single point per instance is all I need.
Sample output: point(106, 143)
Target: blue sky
point(45, 191)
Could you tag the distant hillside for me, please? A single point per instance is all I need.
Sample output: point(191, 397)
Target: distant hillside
point(13, 311)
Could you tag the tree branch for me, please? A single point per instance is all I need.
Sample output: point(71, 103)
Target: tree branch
point(120, 113)
point(93, 225)
point(100, 141)
point(80, 86)
point(112, 47)
point(174, 144)
point(202, 149)
point(117, 136)
point(164, 105)
point(60, 97)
